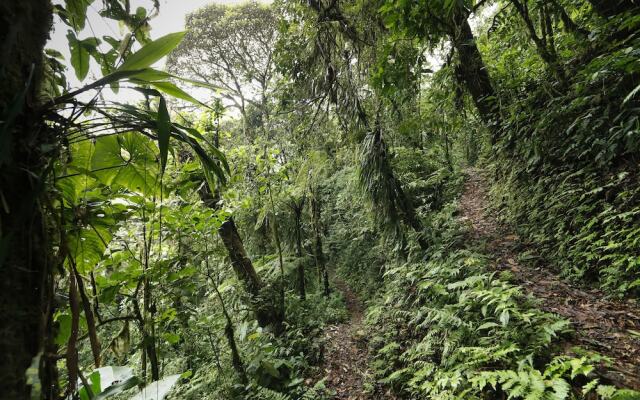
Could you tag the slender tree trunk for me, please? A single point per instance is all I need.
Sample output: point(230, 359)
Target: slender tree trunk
point(472, 71)
point(447, 149)
point(88, 314)
point(229, 332)
point(300, 268)
point(26, 287)
point(236, 360)
point(149, 337)
point(610, 8)
point(239, 260)
point(323, 274)
point(267, 313)
point(546, 51)
point(276, 238)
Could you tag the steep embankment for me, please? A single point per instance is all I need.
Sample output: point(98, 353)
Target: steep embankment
point(608, 327)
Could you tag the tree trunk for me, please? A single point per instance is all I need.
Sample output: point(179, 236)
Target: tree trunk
point(149, 334)
point(239, 260)
point(472, 71)
point(276, 238)
point(267, 312)
point(323, 274)
point(546, 52)
point(300, 268)
point(266, 309)
point(610, 8)
point(26, 287)
point(229, 332)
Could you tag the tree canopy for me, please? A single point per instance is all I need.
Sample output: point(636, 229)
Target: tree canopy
point(321, 199)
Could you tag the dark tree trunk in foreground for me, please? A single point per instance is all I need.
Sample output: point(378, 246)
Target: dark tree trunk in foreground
point(472, 71)
point(26, 286)
point(239, 260)
point(609, 8)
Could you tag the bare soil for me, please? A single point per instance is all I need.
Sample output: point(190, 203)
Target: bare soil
point(346, 355)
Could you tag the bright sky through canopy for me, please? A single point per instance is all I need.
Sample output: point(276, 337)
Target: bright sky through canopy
point(170, 19)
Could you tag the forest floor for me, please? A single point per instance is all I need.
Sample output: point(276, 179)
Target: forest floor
point(610, 328)
point(346, 356)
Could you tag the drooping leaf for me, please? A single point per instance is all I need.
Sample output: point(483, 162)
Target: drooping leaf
point(164, 131)
point(152, 52)
point(79, 56)
point(77, 13)
point(174, 91)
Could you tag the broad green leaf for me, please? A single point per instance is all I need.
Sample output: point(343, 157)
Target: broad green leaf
point(164, 131)
point(79, 56)
point(88, 243)
point(94, 380)
point(172, 338)
point(64, 328)
point(106, 159)
point(174, 91)
point(127, 160)
point(270, 369)
point(152, 52)
point(77, 12)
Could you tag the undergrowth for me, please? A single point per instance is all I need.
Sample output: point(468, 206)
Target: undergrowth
point(446, 327)
point(566, 168)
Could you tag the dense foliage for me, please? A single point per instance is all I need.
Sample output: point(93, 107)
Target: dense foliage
point(187, 244)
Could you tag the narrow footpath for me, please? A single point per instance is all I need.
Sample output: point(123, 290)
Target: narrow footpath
point(346, 355)
point(611, 328)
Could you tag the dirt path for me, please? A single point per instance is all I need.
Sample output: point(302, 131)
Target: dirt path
point(601, 325)
point(346, 353)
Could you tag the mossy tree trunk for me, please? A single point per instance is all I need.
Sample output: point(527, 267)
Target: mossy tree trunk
point(265, 304)
point(472, 72)
point(26, 287)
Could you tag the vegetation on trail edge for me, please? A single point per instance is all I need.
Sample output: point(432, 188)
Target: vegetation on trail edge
point(322, 199)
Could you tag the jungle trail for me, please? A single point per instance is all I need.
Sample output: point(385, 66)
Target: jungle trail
point(320, 199)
